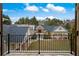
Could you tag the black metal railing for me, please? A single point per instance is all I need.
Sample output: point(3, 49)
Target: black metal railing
point(38, 43)
point(72, 40)
point(5, 44)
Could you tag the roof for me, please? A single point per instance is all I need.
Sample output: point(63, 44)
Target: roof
point(51, 28)
point(17, 33)
point(6, 29)
point(15, 38)
point(14, 29)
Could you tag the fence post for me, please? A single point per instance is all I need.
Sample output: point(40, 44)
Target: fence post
point(1, 45)
point(1, 31)
point(75, 44)
point(76, 26)
point(39, 43)
point(70, 35)
point(8, 43)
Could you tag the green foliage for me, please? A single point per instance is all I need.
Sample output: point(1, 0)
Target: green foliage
point(67, 26)
point(26, 20)
point(6, 20)
point(34, 21)
point(5, 16)
point(53, 21)
point(22, 21)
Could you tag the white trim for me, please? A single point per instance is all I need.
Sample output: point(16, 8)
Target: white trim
point(62, 30)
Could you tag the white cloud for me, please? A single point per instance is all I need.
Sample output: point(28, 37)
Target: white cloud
point(56, 8)
point(44, 9)
point(42, 18)
point(32, 8)
point(51, 17)
point(6, 10)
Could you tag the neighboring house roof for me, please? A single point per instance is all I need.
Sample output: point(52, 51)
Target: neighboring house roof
point(60, 29)
point(18, 32)
point(52, 28)
point(14, 29)
point(6, 29)
point(49, 28)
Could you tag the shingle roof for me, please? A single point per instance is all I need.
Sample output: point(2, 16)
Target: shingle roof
point(13, 29)
point(17, 33)
point(6, 29)
point(18, 30)
point(50, 28)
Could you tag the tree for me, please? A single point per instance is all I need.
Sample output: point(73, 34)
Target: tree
point(54, 21)
point(22, 21)
point(27, 21)
point(5, 16)
point(6, 20)
point(67, 26)
point(34, 21)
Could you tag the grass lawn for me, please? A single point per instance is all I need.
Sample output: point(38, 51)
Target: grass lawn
point(50, 45)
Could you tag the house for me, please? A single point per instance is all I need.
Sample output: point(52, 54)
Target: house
point(56, 32)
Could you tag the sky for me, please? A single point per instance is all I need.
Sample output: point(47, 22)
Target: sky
point(41, 11)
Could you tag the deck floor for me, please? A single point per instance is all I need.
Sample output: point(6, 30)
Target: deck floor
point(41, 54)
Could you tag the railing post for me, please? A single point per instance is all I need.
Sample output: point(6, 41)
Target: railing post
point(76, 27)
point(39, 43)
point(70, 35)
point(75, 44)
point(8, 43)
point(1, 46)
point(1, 31)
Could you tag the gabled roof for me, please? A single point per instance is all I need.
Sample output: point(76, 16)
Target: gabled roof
point(60, 29)
point(51, 28)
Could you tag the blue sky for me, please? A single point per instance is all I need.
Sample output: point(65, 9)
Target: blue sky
point(40, 10)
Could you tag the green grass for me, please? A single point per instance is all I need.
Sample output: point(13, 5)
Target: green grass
point(50, 45)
